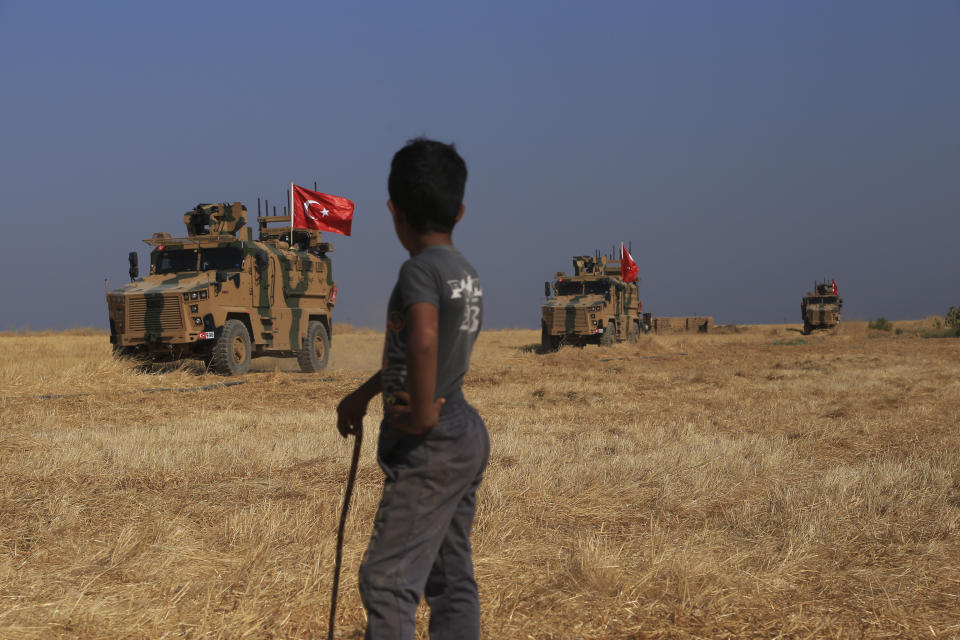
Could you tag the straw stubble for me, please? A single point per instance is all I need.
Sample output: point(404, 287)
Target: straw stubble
point(746, 484)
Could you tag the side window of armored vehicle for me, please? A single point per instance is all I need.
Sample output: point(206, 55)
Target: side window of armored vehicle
point(221, 259)
point(597, 287)
point(568, 288)
point(175, 260)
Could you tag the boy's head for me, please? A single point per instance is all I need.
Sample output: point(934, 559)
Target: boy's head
point(426, 184)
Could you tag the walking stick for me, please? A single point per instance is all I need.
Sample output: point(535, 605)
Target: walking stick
point(354, 462)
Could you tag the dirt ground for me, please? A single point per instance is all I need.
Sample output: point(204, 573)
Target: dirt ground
point(749, 483)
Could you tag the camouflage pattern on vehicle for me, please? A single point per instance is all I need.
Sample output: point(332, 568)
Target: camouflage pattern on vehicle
point(221, 297)
point(820, 309)
point(593, 306)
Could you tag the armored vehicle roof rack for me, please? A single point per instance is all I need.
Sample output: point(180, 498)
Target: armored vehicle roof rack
point(303, 239)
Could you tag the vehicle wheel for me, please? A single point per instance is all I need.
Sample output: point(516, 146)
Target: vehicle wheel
point(806, 329)
point(608, 336)
point(231, 351)
point(316, 348)
point(634, 336)
point(548, 343)
point(124, 352)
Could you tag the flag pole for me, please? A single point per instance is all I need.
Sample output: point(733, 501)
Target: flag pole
point(291, 214)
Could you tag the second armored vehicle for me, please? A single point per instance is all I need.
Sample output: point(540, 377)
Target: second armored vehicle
point(593, 306)
point(221, 297)
point(821, 309)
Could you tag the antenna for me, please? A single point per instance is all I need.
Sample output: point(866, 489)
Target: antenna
point(314, 185)
point(258, 208)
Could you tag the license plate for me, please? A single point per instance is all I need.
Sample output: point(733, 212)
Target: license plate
point(206, 335)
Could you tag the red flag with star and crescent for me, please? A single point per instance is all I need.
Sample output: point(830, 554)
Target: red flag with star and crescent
point(321, 211)
point(834, 287)
point(628, 268)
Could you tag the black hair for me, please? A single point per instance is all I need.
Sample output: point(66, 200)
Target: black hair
point(426, 184)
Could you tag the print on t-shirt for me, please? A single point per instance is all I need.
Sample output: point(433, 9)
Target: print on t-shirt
point(469, 289)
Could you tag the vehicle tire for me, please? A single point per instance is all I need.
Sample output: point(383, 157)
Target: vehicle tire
point(316, 348)
point(806, 329)
point(124, 352)
point(608, 336)
point(634, 336)
point(548, 343)
point(231, 351)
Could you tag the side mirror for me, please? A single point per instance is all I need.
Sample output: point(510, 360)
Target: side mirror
point(134, 265)
point(221, 277)
point(546, 289)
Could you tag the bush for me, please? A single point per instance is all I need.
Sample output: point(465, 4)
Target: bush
point(952, 319)
point(880, 324)
point(949, 328)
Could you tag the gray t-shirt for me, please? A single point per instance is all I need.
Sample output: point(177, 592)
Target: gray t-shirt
point(441, 276)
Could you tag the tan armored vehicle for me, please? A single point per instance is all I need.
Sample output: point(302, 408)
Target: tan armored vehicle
point(593, 306)
point(221, 297)
point(821, 309)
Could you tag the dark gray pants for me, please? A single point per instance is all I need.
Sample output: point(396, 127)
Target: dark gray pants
point(421, 536)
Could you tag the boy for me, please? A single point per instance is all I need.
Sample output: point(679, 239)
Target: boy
point(433, 446)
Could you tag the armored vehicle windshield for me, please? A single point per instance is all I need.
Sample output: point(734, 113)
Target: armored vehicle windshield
point(598, 287)
point(576, 287)
point(210, 259)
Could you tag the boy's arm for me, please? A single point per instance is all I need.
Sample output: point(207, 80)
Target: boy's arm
point(418, 412)
point(351, 409)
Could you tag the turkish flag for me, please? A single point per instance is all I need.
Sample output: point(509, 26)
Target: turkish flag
point(628, 268)
point(834, 287)
point(321, 211)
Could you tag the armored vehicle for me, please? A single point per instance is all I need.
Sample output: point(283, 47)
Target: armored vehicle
point(221, 297)
point(821, 309)
point(593, 306)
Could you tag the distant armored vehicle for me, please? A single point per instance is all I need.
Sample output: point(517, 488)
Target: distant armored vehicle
point(221, 297)
point(593, 306)
point(821, 309)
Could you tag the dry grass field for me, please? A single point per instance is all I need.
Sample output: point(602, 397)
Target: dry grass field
point(747, 484)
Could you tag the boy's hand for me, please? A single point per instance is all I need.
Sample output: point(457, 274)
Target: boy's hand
point(400, 415)
point(351, 409)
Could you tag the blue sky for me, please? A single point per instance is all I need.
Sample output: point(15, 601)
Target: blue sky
point(745, 148)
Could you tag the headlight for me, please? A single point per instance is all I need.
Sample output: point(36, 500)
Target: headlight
point(194, 308)
point(194, 295)
point(197, 321)
point(186, 296)
point(203, 294)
